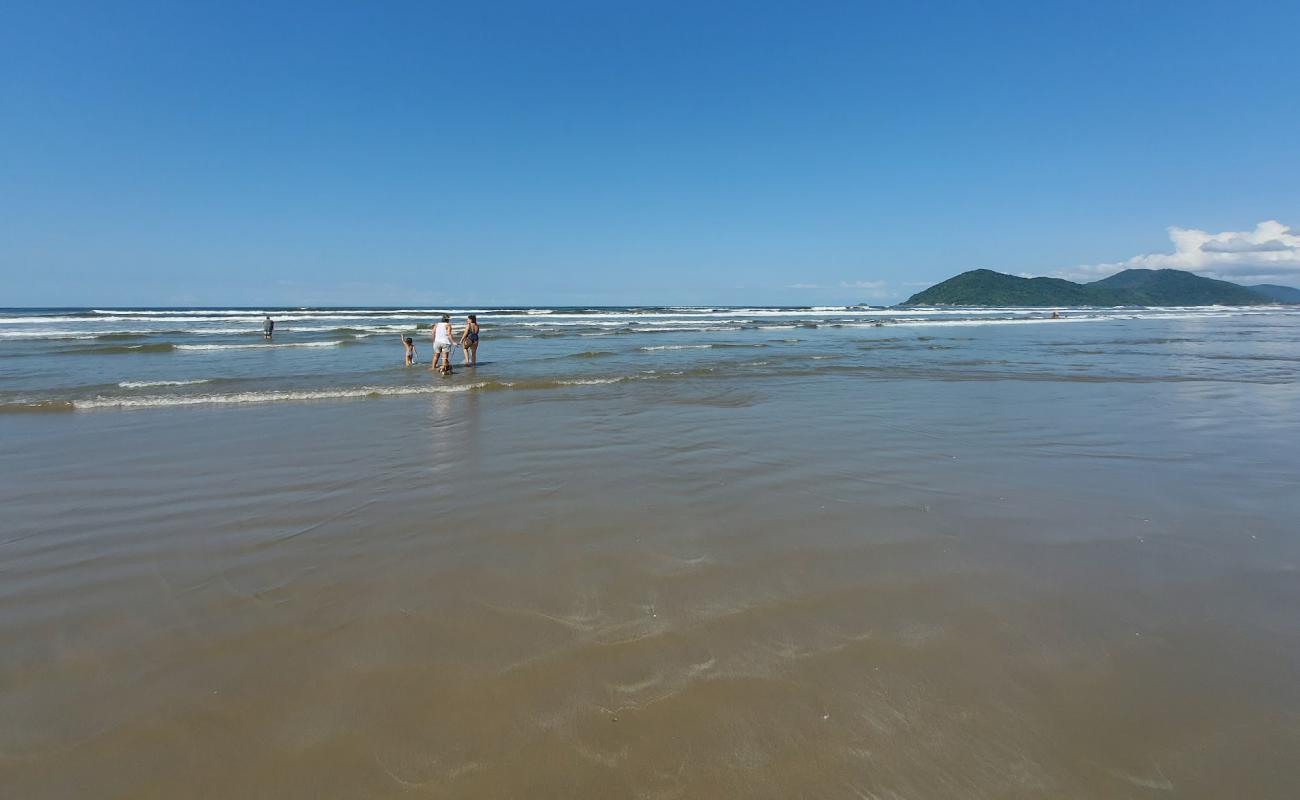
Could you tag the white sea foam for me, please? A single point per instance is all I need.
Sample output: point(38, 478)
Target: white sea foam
point(676, 347)
point(715, 329)
point(334, 343)
point(949, 323)
point(275, 314)
point(154, 401)
point(225, 320)
point(146, 384)
point(342, 393)
point(590, 381)
point(195, 312)
point(366, 325)
point(46, 334)
point(47, 320)
point(571, 323)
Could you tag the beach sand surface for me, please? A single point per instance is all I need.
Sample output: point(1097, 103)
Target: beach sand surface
point(823, 587)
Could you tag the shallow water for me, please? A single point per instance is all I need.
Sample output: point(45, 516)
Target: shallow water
point(1009, 560)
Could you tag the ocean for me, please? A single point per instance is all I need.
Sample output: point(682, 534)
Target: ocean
point(83, 359)
point(651, 552)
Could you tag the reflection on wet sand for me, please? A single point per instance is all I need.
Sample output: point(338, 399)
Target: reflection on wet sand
point(752, 590)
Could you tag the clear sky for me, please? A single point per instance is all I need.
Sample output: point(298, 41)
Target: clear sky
point(612, 152)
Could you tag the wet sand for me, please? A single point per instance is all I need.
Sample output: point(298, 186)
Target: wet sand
point(738, 588)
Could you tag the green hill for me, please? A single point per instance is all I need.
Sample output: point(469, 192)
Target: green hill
point(1175, 287)
point(1278, 294)
point(1134, 287)
point(984, 287)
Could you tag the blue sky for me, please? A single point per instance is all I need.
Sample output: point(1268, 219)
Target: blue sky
point(630, 152)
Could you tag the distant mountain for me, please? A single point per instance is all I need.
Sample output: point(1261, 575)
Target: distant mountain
point(1133, 287)
point(984, 287)
point(1278, 294)
point(1175, 287)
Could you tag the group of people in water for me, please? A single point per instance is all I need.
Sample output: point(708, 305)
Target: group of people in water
point(445, 343)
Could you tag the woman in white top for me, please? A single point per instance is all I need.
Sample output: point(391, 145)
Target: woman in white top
point(443, 344)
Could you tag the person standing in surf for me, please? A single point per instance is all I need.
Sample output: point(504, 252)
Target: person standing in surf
point(469, 341)
point(268, 327)
point(443, 344)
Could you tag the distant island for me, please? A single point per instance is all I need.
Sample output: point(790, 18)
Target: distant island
point(1132, 287)
point(1279, 294)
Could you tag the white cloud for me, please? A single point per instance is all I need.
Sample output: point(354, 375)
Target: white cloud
point(805, 286)
point(1268, 254)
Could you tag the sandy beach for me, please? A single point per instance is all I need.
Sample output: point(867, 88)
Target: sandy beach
point(649, 401)
point(820, 585)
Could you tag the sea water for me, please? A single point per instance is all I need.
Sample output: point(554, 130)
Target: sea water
point(724, 553)
point(81, 359)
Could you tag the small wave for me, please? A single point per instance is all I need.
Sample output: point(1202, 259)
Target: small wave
point(147, 384)
point(334, 343)
point(158, 401)
point(274, 396)
point(277, 313)
point(186, 312)
point(676, 347)
point(41, 320)
point(662, 329)
point(345, 330)
point(39, 407)
point(1171, 340)
point(120, 349)
point(45, 334)
point(582, 382)
point(594, 354)
point(948, 323)
point(123, 336)
point(979, 362)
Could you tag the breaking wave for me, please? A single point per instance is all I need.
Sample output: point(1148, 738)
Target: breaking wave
point(148, 384)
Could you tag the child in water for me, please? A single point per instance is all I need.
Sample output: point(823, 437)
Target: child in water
point(409, 344)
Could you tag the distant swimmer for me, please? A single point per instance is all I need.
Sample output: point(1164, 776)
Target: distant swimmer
point(443, 344)
point(409, 344)
point(1056, 315)
point(469, 341)
point(268, 327)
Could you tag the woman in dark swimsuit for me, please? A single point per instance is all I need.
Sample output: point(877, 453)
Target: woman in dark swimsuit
point(469, 340)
